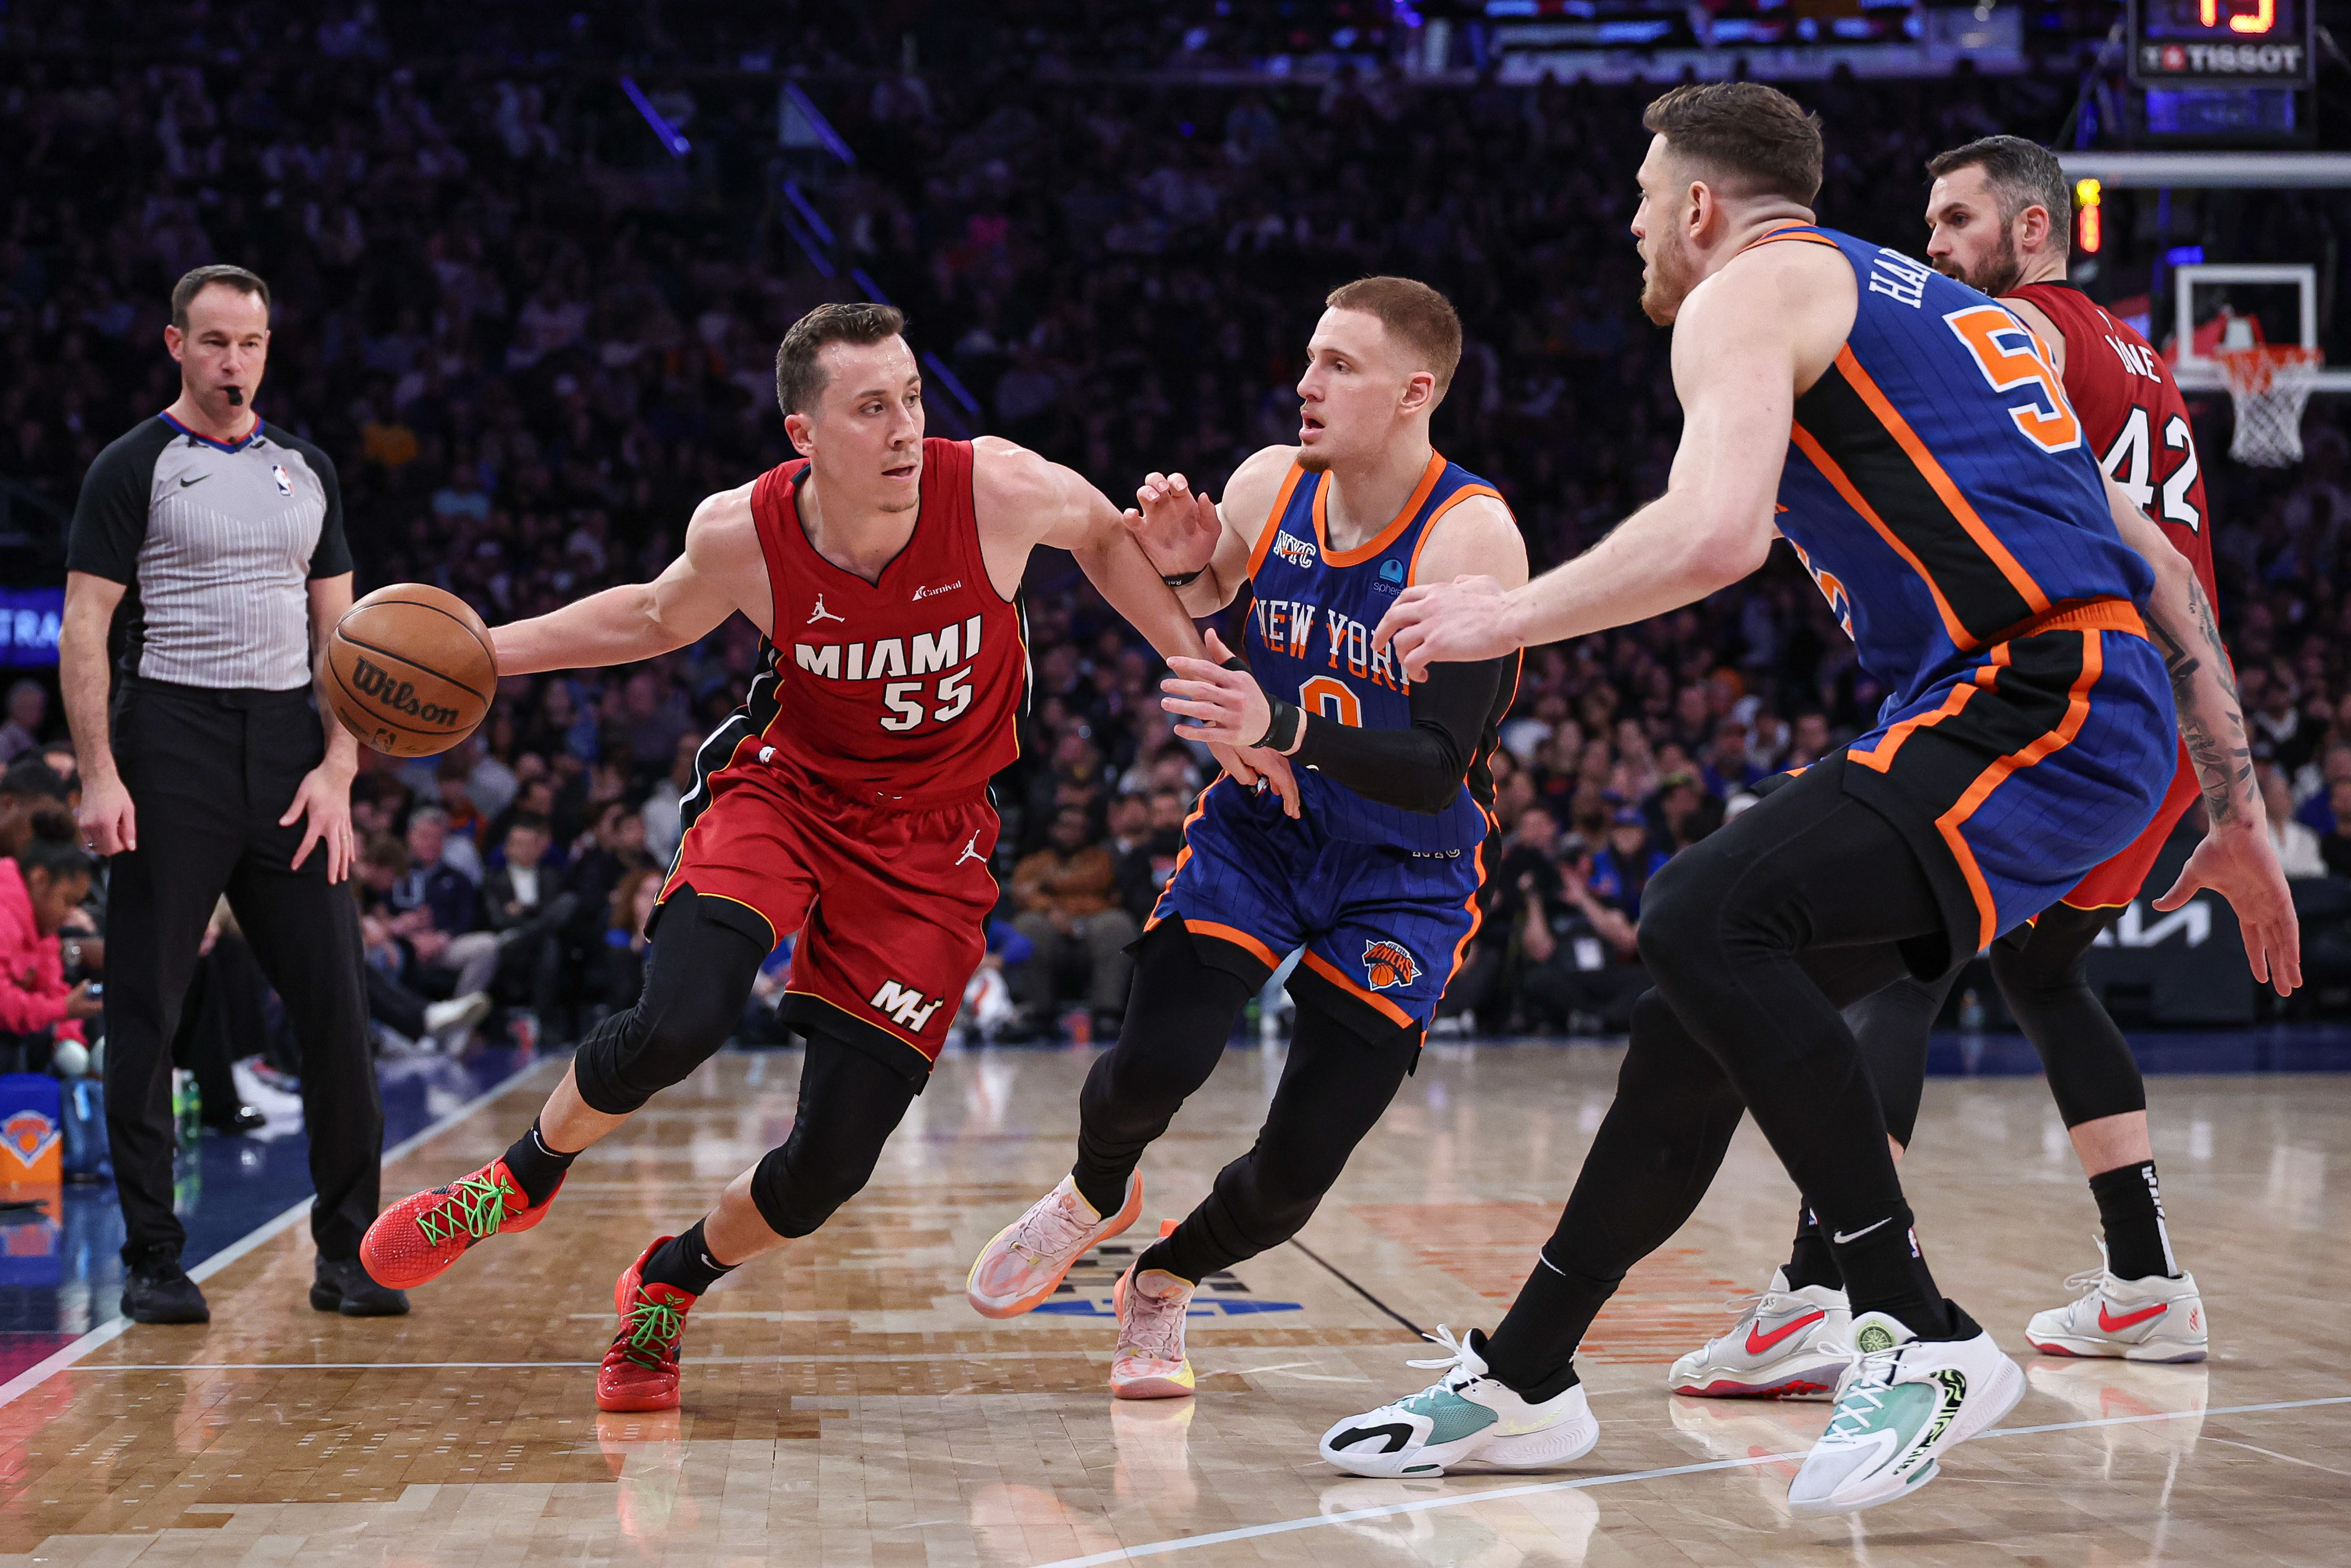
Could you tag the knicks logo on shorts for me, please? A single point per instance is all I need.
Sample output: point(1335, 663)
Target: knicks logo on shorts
point(1389, 965)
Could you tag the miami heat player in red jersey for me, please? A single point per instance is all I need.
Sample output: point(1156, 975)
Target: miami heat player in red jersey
point(845, 803)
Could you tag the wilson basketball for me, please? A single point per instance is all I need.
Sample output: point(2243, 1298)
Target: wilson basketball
point(410, 671)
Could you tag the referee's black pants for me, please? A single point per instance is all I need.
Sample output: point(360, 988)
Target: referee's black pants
point(210, 772)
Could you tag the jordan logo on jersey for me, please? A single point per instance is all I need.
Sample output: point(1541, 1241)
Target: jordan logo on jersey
point(971, 852)
point(821, 613)
point(1388, 966)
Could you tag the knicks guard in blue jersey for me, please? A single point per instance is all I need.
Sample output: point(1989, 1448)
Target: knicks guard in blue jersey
point(1938, 490)
point(1383, 899)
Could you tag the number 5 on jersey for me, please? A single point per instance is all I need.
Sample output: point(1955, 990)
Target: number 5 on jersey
point(2010, 357)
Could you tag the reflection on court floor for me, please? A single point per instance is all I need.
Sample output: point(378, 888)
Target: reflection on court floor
point(845, 1406)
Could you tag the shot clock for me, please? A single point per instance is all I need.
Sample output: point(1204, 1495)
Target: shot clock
point(2221, 43)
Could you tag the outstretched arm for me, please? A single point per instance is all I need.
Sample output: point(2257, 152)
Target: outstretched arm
point(721, 571)
point(2237, 858)
point(1182, 532)
point(1041, 502)
point(1735, 368)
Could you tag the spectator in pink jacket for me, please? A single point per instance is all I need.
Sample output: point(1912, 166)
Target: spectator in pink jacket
point(39, 886)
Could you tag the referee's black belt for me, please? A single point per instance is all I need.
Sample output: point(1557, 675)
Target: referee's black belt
point(219, 696)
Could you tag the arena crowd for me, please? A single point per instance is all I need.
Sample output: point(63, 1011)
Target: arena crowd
point(532, 338)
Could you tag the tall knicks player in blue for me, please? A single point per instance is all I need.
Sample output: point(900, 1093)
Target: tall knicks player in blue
point(1373, 870)
point(1910, 438)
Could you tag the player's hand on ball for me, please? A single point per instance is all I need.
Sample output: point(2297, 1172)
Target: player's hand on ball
point(1177, 529)
point(2239, 862)
point(1456, 622)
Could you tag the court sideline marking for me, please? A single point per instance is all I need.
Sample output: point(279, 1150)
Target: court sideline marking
point(1463, 1500)
point(41, 1371)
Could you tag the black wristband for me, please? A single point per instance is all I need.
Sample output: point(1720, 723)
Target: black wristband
point(1186, 580)
point(1236, 663)
point(1281, 730)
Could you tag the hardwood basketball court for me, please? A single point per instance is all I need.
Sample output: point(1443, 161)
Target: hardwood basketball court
point(845, 1407)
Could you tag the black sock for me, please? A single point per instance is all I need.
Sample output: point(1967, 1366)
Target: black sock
point(1886, 1273)
point(1534, 1348)
point(2130, 1207)
point(685, 1262)
point(1105, 1192)
point(1812, 1261)
point(537, 1168)
point(1170, 1259)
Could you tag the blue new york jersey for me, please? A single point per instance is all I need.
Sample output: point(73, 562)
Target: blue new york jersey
point(1382, 901)
point(1309, 639)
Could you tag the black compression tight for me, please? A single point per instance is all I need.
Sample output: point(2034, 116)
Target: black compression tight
point(1757, 936)
point(705, 959)
point(1333, 1088)
point(2043, 971)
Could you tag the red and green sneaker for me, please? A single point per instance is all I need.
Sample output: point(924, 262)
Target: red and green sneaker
point(415, 1240)
point(640, 1370)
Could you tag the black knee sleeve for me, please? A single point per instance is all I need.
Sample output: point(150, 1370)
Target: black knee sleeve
point(850, 1103)
point(2043, 971)
point(705, 959)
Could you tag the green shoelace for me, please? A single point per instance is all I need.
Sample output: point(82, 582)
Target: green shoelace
point(476, 1207)
point(651, 1331)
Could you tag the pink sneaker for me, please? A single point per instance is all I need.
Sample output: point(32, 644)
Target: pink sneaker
point(1150, 1363)
point(1024, 1262)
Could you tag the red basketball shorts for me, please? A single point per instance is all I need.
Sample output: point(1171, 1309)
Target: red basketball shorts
point(2116, 881)
point(889, 895)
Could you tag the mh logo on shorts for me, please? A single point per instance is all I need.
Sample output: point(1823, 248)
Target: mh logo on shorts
point(1389, 965)
point(907, 1006)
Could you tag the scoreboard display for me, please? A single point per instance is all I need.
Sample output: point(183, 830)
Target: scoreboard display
point(2221, 43)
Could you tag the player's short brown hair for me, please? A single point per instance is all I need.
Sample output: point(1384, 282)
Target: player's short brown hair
point(1416, 316)
point(800, 379)
point(2019, 174)
point(203, 277)
point(1754, 140)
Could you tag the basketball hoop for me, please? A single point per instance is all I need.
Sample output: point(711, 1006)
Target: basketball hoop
point(2269, 382)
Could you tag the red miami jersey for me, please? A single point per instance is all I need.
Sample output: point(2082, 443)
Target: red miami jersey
point(906, 689)
point(2134, 418)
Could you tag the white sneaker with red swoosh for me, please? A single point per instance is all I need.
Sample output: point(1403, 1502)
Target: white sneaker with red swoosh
point(1788, 1343)
point(2154, 1319)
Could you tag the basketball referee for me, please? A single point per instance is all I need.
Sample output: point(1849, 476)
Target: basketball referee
point(206, 563)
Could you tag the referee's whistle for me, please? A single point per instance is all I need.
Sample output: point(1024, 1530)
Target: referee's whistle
point(236, 397)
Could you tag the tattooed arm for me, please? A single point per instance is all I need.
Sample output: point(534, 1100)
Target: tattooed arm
point(2237, 859)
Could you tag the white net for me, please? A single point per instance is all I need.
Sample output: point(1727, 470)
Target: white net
point(2270, 384)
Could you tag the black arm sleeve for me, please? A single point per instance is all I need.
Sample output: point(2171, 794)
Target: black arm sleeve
point(109, 520)
point(1421, 767)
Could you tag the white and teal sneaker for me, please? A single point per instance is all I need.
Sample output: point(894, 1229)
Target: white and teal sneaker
point(1900, 1404)
point(1466, 1416)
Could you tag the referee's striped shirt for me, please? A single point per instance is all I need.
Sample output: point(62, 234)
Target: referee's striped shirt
point(215, 542)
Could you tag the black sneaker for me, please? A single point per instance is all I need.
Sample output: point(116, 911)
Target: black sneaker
point(341, 1285)
point(156, 1290)
point(242, 1120)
